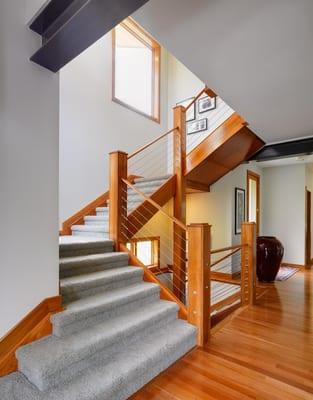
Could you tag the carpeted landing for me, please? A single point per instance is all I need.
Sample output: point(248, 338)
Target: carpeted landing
point(114, 336)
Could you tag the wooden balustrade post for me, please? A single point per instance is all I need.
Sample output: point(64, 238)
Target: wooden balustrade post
point(179, 205)
point(248, 263)
point(199, 285)
point(118, 200)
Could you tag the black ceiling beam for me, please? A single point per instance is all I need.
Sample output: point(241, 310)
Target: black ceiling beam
point(286, 149)
point(70, 30)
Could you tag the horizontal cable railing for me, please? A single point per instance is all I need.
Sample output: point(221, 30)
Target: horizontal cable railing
point(148, 220)
point(155, 159)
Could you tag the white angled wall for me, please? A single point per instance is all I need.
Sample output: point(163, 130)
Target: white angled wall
point(28, 171)
point(284, 209)
point(92, 125)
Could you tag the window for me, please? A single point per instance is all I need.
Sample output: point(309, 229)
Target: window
point(147, 250)
point(136, 70)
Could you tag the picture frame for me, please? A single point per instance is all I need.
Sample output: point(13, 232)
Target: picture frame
point(191, 112)
point(196, 126)
point(206, 104)
point(240, 209)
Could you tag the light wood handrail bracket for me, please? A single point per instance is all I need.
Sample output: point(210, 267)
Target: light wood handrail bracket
point(156, 205)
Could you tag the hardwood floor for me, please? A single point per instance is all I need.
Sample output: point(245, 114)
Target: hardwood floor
point(262, 352)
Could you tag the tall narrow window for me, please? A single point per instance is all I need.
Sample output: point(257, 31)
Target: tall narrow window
point(136, 69)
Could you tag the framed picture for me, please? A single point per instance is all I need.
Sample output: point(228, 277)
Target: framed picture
point(197, 126)
point(240, 200)
point(191, 112)
point(206, 104)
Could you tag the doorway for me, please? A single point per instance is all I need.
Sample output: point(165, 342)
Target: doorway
point(307, 228)
point(253, 199)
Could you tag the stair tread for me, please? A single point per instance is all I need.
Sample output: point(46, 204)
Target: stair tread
point(99, 278)
point(74, 241)
point(93, 258)
point(152, 179)
point(125, 372)
point(91, 228)
point(46, 356)
point(92, 305)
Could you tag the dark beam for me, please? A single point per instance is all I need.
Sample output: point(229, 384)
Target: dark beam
point(77, 27)
point(286, 149)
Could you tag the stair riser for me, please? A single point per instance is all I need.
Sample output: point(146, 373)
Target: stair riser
point(85, 251)
point(104, 235)
point(62, 329)
point(86, 269)
point(99, 352)
point(72, 295)
point(104, 221)
point(148, 372)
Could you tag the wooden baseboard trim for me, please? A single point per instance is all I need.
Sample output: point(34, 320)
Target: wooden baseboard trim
point(287, 264)
point(33, 326)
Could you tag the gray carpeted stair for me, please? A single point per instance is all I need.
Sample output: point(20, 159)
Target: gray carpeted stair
point(114, 335)
point(98, 225)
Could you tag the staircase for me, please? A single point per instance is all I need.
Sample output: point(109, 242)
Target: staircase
point(113, 337)
point(98, 225)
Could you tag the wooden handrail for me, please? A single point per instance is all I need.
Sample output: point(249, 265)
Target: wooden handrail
point(206, 90)
point(224, 258)
point(151, 143)
point(156, 205)
point(239, 246)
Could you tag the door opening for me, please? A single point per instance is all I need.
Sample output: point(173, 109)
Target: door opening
point(253, 199)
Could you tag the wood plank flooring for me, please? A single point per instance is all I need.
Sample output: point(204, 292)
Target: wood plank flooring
point(263, 352)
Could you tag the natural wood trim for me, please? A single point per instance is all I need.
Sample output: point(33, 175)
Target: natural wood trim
point(199, 285)
point(156, 205)
point(205, 90)
point(118, 206)
point(151, 143)
point(155, 249)
point(256, 177)
point(146, 210)
point(148, 276)
point(179, 202)
point(225, 257)
point(225, 302)
point(239, 246)
point(131, 26)
point(226, 130)
point(78, 217)
point(33, 326)
point(198, 186)
point(226, 278)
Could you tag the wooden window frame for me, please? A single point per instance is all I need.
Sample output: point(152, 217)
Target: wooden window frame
point(155, 248)
point(131, 26)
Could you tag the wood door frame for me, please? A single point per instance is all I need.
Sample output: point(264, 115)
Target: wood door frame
point(256, 177)
point(307, 248)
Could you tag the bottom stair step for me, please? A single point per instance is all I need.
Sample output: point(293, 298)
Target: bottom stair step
point(125, 373)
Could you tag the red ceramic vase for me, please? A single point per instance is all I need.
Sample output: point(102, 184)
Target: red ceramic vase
point(270, 252)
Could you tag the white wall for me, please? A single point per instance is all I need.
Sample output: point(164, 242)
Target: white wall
point(217, 207)
point(183, 84)
point(28, 171)
point(91, 125)
point(284, 209)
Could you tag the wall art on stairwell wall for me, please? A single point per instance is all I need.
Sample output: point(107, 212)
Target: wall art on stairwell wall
point(206, 104)
point(197, 126)
point(191, 112)
point(240, 197)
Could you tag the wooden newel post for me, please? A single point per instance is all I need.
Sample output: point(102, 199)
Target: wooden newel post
point(199, 245)
point(179, 211)
point(118, 200)
point(248, 263)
